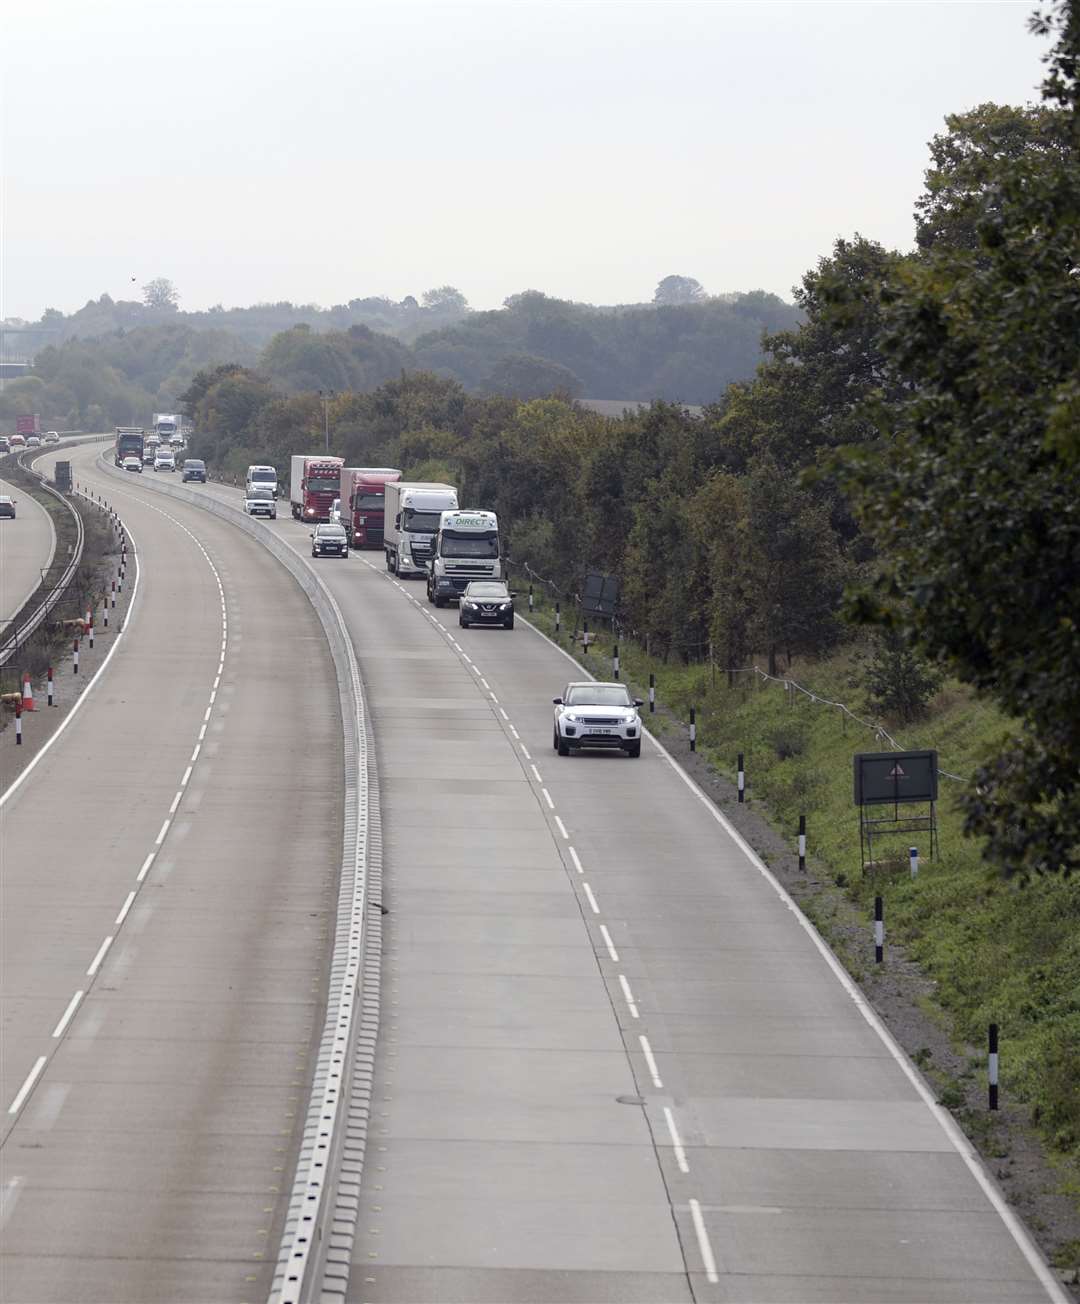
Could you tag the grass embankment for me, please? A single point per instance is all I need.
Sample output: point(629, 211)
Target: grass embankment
point(998, 952)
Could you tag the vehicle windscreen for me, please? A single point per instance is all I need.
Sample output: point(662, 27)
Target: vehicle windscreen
point(331, 532)
point(192, 465)
point(263, 477)
point(415, 521)
point(469, 545)
point(368, 501)
point(599, 695)
point(488, 593)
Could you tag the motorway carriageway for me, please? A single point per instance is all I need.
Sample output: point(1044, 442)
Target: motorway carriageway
point(614, 1062)
point(168, 873)
point(27, 545)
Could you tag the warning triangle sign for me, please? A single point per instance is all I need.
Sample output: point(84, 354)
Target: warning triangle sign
point(897, 772)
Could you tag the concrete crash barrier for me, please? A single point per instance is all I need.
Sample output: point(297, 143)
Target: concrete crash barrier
point(314, 1254)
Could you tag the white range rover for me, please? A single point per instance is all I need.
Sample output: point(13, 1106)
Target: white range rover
point(597, 715)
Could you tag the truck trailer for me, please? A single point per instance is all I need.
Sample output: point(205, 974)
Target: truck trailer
point(363, 502)
point(411, 521)
point(466, 549)
point(166, 425)
point(313, 486)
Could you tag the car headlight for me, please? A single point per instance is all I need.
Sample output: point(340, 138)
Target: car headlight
point(470, 606)
point(573, 719)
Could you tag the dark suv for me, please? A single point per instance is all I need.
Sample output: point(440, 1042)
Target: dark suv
point(194, 468)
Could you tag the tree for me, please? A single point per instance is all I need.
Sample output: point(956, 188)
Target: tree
point(161, 293)
point(898, 681)
point(525, 377)
point(447, 299)
point(961, 182)
point(974, 504)
point(678, 289)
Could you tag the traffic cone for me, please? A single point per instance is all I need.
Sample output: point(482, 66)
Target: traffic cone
point(27, 693)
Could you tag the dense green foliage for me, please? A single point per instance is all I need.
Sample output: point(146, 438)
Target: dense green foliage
point(975, 503)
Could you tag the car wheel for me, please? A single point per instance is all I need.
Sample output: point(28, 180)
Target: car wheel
point(314, 553)
point(345, 554)
point(563, 747)
point(634, 750)
point(389, 564)
point(555, 738)
point(463, 623)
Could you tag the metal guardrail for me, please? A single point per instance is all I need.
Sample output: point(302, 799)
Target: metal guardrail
point(20, 633)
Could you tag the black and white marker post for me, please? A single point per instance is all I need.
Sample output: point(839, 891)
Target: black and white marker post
point(913, 858)
point(584, 639)
point(879, 930)
point(652, 694)
point(558, 620)
point(741, 780)
point(18, 724)
point(693, 729)
point(993, 1066)
point(50, 688)
point(802, 843)
point(75, 666)
point(615, 661)
point(530, 600)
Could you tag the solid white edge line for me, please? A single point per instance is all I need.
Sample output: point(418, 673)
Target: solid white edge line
point(562, 828)
point(95, 963)
point(125, 908)
point(703, 1242)
point(654, 1071)
point(27, 1086)
point(1024, 1241)
point(65, 1018)
point(676, 1143)
point(592, 899)
point(576, 860)
point(609, 943)
point(16, 784)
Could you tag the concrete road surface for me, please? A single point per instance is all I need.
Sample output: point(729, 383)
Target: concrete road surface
point(27, 544)
point(168, 875)
point(614, 1063)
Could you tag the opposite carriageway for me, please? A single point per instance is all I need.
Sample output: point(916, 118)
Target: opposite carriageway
point(614, 1061)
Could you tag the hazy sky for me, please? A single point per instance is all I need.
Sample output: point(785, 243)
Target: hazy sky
point(339, 148)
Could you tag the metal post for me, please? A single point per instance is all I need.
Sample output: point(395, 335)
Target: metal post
point(802, 843)
point(652, 693)
point(993, 1066)
point(615, 661)
point(913, 857)
point(741, 780)
point(693, 729)
point(879, 930)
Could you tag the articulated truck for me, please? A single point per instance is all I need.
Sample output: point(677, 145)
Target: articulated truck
point(466, 549)
point(363, 502)
point(313, 486)
point(411, 521)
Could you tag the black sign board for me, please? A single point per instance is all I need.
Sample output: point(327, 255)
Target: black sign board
point(892, 777)
point(600, 595)
point(63, 475)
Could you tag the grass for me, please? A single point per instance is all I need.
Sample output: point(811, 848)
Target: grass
point(999, 952)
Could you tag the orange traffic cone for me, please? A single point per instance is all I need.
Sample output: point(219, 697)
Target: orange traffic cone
point(27, 693)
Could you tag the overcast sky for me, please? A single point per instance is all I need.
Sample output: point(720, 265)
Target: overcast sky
point(255, 150)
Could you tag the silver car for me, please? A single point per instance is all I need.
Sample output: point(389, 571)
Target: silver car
point(596, 715)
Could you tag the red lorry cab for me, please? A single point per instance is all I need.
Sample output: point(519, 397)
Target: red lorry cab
point(362, 495)
point(320, 487)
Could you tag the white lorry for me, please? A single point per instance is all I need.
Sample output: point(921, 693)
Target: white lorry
point(410, 522)
point(466, 549)
point(261, 477)
point(166, 425)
